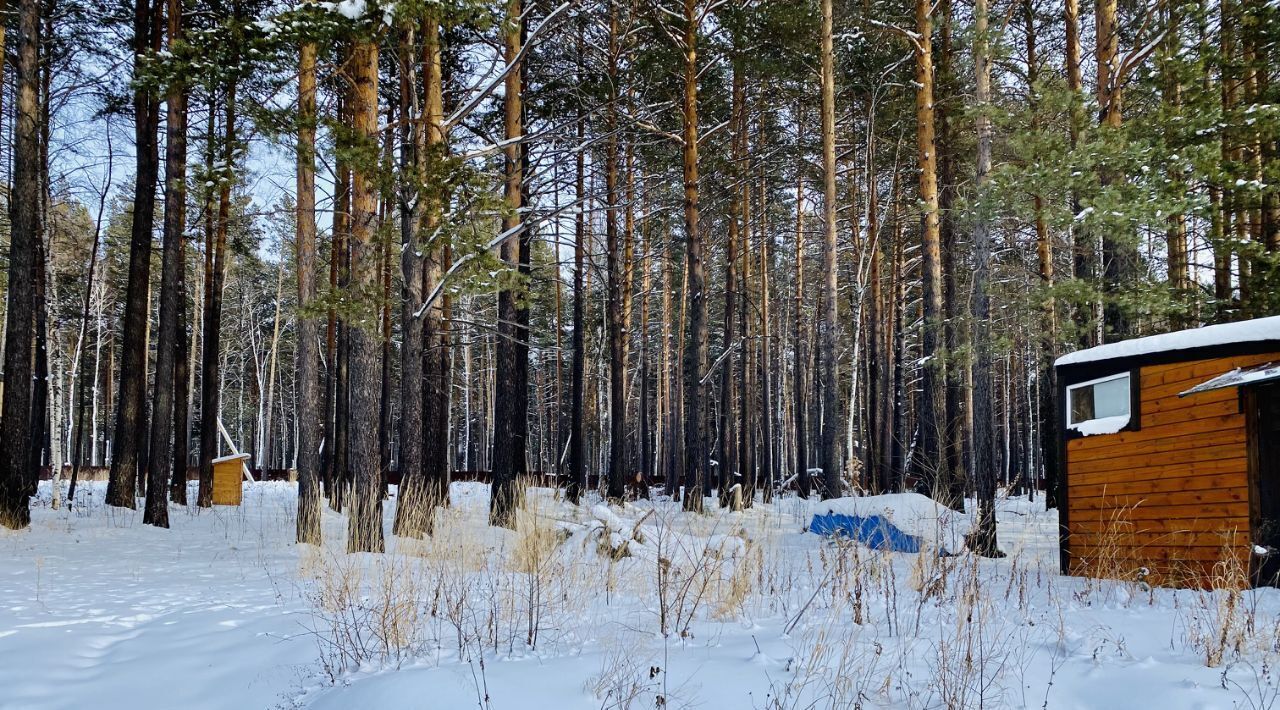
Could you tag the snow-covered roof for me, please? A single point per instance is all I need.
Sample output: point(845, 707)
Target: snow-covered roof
point(1249, 331)
point(1238, 377)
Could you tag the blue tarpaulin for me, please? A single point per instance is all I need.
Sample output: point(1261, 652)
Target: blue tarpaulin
point(874, 531)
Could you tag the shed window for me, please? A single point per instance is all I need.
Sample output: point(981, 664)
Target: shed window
point(1099, 406)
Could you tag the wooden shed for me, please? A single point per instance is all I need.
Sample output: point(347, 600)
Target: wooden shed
point(1170, 452)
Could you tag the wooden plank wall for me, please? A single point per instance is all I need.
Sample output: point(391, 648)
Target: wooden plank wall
point(1172, 497)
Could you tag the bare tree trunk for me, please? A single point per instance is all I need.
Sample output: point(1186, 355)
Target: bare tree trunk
point(898, 446)
point(1176, 232)
point(1119, 258)
point(160, 462)
point(932, 410)
point(266, 448)
point(984, 539)
point(508, 463)
point(183, 379)
point(766, 365)
point(57, 374)
point(306, 354)
point(130, 411)
point(799, 394)
point(668, 372)
point(831, 458)
point(340, 277)
point(577, 482)
point(956, 434)
point(15, 421)
point(215, 276)
point(747, 463)
point(91, 282)
point(436, 363)
point(1220, 193)
point(727, 465)
point(878, 354)
point(40, 380)
point(695, 346)
point(364, 521)
point(1084, 261)
point(614, 266)
point(410, 503)
point(1047, 377)
point(647, 444)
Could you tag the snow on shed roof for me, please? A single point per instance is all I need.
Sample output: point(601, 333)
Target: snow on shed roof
point(1249, 331)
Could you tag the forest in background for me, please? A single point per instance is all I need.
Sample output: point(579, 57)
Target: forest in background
point(715, 247)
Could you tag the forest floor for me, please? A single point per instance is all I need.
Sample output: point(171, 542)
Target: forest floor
point(589, 607)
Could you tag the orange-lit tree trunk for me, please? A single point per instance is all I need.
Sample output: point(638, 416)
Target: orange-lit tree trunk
point(364, 521)
point(1119, 256)
point(307, 355)
point(932, 401)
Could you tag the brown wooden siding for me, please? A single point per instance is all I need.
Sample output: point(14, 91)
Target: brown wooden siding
point(1172, 497)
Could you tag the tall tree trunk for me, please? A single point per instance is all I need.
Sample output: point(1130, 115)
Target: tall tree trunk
point(508, 463)
point(1084, 259)
point(932, 419)
point(266, 448)
point(768, 471)
point(215, 276)
point(1176, 231)
point(160, 462)
point(577, 481)
point(15, 410)
point(878, 355)
point(40, 380)
point(1119, 256)
point(695, 346)
point(438, 354)
point(647, 446)
point(328, 457)
point(614, 267)
point(58, 374)
point(747, 463)
point(342, 226)
point(1047, 377)
point(91, 281)
point(130, 408)
point(799, 392)
point(412, 508)
point(726, 465)
point(984, 539)
point(183, 377)
point(306, 353)
point(900, 437)
point(1222, 232)
point(364, 521)
point(956, 434)
point(827, 323)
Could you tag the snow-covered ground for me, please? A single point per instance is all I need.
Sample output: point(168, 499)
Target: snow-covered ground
point(592, 607)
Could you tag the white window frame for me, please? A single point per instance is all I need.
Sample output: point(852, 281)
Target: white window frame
point(1071, 422)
